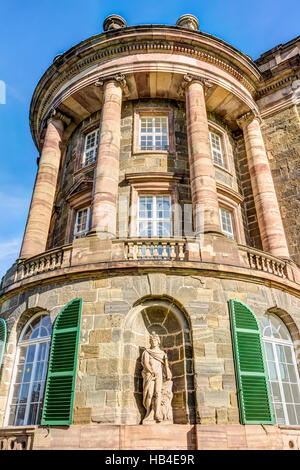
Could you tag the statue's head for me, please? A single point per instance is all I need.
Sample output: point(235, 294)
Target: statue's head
point(154, 339)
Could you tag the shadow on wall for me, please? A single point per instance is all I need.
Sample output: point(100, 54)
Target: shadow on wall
point(162, 317)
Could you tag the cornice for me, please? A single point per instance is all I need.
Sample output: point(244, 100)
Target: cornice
point(60, 74)
point(277, 85)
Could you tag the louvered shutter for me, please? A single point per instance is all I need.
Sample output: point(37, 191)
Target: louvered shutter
point(61, 378)
point(2, 339)
point(250, 366)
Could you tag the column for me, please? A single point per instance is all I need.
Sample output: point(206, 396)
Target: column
point(266, 204)
point(40, 212)
point(106, 183)
point(202, 173)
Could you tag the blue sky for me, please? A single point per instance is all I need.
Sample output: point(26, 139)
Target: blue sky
point(33, 32)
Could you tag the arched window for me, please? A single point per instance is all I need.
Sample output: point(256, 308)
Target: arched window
point(282, 368)
point(30, 373)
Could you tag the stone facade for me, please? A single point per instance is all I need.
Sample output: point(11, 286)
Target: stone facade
point(174, 286)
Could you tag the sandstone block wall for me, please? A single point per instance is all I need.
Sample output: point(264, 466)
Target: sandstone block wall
point(191, 314)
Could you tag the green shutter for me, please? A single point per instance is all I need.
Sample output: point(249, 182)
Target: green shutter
point(2, 339)
point(250, 366)
point(61, 378)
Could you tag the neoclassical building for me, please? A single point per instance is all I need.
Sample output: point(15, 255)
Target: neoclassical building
point(164, 218)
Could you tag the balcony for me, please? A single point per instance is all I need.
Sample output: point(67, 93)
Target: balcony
point(86, 256)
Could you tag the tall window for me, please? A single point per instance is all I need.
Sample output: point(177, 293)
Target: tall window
point(216, 149)
point(283, 373)
point(82, 223)
point(154, 216)
point(90, 148)
point(226, 222)
point(31, 372)
point(154, 133)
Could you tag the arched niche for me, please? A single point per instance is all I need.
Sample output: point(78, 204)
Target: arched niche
point(164, 317)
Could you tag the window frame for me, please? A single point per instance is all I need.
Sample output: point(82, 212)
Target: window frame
point(154, 219)
point(94, 148)
point(219, 152)
point(47, 339)
point(153, 134)
point(83, 233)
point(225, 146)
point(274, 341)
point(225, 232)
point(153, 112)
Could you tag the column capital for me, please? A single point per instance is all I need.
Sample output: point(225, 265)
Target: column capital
point(56, 115)
point(119, 78)
point(188, 79)
point(248, 117)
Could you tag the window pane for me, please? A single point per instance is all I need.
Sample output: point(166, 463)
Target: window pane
point(280, 352)
point(292, 373)
point(32, 417)
point(269, 351)
point(291, 414)
point(276, 391)
point(283, 372)
point(287, 393)
point(164, 229)
point(272, 371)
point(297, 410)
point(288, 354)
point(296, 393)
point(278, 408)
point(20, 416)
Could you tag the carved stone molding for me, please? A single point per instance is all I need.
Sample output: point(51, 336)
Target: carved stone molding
point(145, 47)
point(59, 116)
point(188, 79)
point(244, 119)
point(119, 78)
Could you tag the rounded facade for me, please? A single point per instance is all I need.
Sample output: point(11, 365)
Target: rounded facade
point(154, 212)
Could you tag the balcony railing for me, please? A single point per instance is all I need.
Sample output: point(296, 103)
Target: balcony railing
point(154, 249)
point(91, 252)
point(20, 438)
point(262, 261)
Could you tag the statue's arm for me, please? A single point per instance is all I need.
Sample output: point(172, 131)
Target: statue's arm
point(145, 362)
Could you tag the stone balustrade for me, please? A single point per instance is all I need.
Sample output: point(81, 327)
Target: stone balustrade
point(154, 249)
point(20, 438)
point(262, 261)
point(47, 261)
point(91, 252)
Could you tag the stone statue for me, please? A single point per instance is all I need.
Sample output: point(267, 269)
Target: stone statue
point(157, 384)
